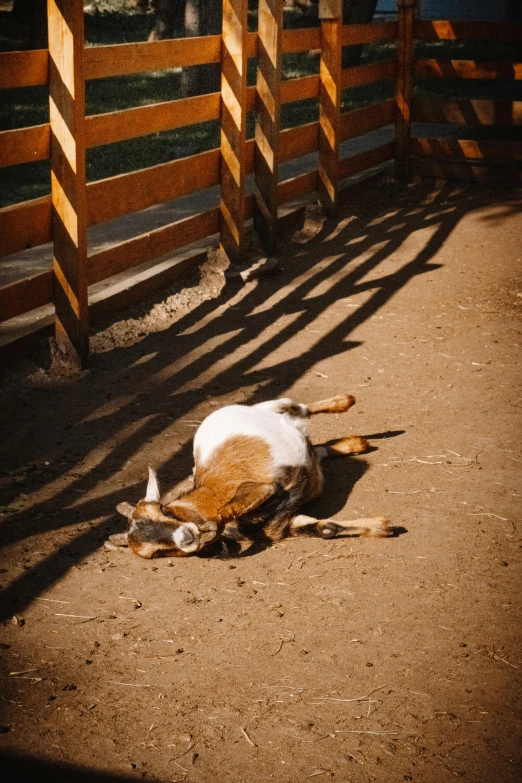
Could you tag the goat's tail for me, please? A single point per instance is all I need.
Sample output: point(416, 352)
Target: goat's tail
point(337, 404)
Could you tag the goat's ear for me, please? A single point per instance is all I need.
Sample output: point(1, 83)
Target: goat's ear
point(249, 495)
point(126, 509)
point(153, 493)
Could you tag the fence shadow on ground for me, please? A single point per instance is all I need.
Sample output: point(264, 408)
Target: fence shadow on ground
point(222, 347)
point(27, 769)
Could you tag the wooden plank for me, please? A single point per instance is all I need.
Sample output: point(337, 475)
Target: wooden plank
point(25, 295)
point(153, 244)
point(38, 290)
point(232, 172)
point(268, 121)
point(373, 32)
point(24, 69)
point(68, 177)
point(330, 112)
point(295, 187)
point(251, 98)
point(250, 45)
point(299, 89)
point(348, 167)
point(25, 225)
point(25, 145)
point(142, 120)
point(467, 112)
point(367, 74)
point(502, 176)
point(468, 69)
point(444, 30)
point(125, 292)
point(295, 142)
point(122, 59)
point(115, 196)
point(406, 10)
point(301, 40)
point(487, 150)
point(360, 121)
point(249, 157)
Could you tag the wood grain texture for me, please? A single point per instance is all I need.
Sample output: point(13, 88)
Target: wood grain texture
point(115, 196)
point(24, 69)
point(330, 112)
point(68, 177)
point(154, 118)
point(299, 89)
point(404, 88)
point(501, 176)
point(232, 172)
point(294, 142)
point(360, 121)
point(301, 40)
point(25, 295)
point(268, 114)
point(150, 245)
point(354, 34)
point(295, 187)
point(122, 59)
point(25, 145)
point(467, 112)
point(25, 225)
point(468, 69)
point(355, 164)
point(479, 149)
point(367, 74)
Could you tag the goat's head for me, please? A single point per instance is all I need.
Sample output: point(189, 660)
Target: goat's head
point(157, 530)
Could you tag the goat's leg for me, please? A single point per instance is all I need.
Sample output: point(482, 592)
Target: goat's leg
point(377, 527)
point(338, 404)
point(342, 447)
point(117, 541)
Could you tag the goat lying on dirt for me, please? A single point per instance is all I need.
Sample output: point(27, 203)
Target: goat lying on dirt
point(254, 468)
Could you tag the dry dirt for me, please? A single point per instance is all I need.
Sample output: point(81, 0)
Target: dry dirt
point(352, 660)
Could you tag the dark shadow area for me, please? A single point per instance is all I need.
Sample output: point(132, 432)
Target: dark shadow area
point(385, 435)
point(341, 474)
point(26, 769)
point(75, 440)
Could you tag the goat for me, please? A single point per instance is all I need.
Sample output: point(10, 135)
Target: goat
point(254, 469)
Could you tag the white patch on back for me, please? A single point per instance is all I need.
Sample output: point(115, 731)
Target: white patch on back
point(284, 434)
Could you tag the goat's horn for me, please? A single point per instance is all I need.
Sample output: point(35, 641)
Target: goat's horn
point(153, 493)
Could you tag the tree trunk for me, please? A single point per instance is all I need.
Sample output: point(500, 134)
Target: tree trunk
point(202, 17)
point(168, 15)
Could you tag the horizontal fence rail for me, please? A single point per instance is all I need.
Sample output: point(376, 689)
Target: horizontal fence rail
point(32, 223)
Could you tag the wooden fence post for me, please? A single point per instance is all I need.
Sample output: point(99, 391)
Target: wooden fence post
point(268, 110)
point(331, 16)
point(233, 127)
point(68, 183)
point(406, 12)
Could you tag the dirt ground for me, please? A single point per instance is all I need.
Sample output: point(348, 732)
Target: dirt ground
point(352, 659)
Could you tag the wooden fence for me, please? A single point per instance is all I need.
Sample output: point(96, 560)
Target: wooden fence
point(74, 205)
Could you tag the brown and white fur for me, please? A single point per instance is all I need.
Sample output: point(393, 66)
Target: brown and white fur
point(254, 469)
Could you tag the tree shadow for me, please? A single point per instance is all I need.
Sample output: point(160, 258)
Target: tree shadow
point(235, 345)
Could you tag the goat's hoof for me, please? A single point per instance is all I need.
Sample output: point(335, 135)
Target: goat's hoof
point(329, 530)
point(110, 547)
